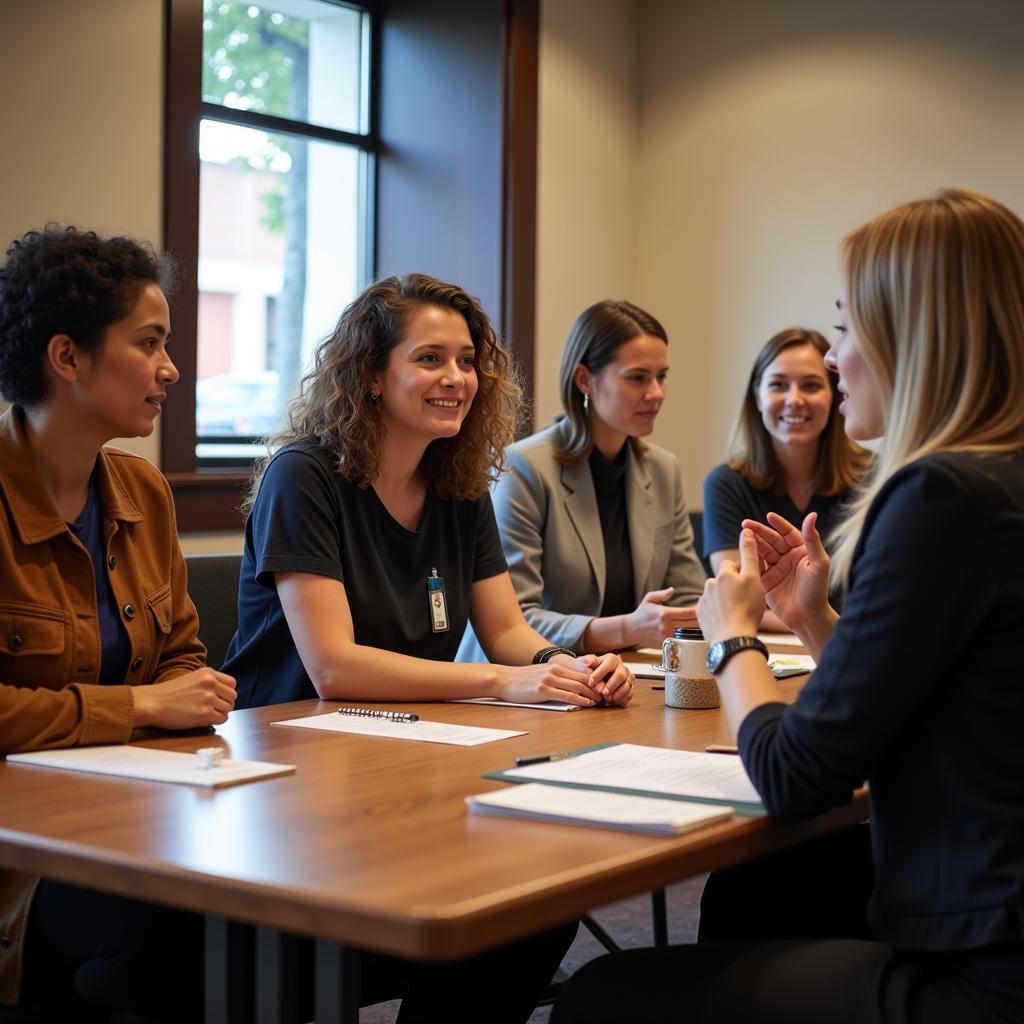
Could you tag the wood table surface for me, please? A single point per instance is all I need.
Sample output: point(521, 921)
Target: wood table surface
point(369, 843)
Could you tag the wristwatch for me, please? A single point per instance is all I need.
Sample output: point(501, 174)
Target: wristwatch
point(722, 651)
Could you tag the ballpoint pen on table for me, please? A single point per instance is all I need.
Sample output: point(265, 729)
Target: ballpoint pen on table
point(542, 758)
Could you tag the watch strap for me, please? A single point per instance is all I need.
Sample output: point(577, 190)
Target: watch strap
point(722, 651)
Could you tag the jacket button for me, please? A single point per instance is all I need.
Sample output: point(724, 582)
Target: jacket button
point(17, 642)
point(129, 611)
point(137, 665)
point(112, 561)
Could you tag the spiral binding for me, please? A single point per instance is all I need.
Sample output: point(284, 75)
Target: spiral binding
point(389, 716)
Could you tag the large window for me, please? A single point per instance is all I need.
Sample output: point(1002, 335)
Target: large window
point(308, 145)
point(268, 210)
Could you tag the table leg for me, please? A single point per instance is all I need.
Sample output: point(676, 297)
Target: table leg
point(659, 917)
point(277, 990)
point(228, 963)
point(337, 984)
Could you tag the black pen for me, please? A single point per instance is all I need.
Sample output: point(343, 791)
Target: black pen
point(542, 758)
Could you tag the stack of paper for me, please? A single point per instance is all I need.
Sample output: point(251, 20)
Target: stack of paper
point(153, 765)
point(538, 802)
point(648, 771)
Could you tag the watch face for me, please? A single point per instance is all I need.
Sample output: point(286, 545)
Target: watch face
point(715, 656)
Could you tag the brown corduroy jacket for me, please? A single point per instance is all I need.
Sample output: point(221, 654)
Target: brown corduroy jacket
point(49, 632)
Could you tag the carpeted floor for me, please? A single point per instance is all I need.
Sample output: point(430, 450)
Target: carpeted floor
point(629, 924)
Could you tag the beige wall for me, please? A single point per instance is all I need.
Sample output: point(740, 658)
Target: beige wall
point(82, 120)
point(763, 133)
point(587, 172)
point(82, 132)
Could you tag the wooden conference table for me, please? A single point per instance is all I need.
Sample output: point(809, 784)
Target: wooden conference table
point(367, 846)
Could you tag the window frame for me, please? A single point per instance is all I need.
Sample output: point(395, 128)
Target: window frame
point(208, 492)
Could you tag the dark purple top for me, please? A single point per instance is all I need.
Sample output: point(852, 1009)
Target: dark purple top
point(114, 643)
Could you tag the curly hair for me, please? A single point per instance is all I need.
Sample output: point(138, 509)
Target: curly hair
point(63, 280)
point(334, 406)
point(840, 463)
point(594, 338)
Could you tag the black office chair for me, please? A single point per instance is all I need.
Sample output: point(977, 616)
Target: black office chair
point(697, 523)
point(213, 587)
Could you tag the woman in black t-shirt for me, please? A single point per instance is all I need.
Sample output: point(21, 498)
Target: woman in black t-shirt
point(917, 688)
point(789, 454)
point(370, 538)
point(370, 541)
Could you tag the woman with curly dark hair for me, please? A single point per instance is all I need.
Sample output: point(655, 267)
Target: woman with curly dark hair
point(371, 540)
point(97, 632)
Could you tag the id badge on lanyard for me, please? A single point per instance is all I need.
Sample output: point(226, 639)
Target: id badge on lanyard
point(437, 603)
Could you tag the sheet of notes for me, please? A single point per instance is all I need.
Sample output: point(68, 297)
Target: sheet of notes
point(628, 766)
point(425, 732)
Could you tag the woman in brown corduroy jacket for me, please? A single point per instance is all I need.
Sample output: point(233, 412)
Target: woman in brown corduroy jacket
point(93, 602)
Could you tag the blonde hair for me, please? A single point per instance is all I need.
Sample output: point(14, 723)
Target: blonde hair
point(935, 294)
point(335, 406)
point(839, 463)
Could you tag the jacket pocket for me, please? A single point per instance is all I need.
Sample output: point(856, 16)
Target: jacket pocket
point(28, 630)
point(32, 644)
point(159, 618)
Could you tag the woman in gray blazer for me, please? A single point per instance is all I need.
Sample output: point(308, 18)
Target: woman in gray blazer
point(593, 521)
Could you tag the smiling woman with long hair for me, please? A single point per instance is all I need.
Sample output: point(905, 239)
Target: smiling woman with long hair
point(917, 688)
point(593, 519)
point(788, 454)
point(370, 543)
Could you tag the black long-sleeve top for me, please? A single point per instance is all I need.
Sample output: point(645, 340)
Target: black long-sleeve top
point(921, 692)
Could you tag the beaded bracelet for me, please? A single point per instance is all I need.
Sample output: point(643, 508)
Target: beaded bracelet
point(545, 654)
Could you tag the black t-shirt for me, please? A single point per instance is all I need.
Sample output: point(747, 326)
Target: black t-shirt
point(729, 499)
point(306, 518)
point(610, 490)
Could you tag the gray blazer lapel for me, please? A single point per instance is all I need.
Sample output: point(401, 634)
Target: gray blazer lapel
point(581, 507)
point(641, 514)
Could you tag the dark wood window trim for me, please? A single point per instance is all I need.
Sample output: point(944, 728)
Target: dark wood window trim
point(209, 498)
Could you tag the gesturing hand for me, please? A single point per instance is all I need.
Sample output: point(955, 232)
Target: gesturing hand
point(794, 568)
point(653, 620)
point(732, 602)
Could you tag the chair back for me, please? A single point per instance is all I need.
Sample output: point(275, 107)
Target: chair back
point(213, 587)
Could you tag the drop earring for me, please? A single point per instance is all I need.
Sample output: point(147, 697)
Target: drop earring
point(586, 402)
point(375, 398)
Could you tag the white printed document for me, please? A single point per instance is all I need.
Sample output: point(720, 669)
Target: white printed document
point(154, 765)
point(426, 732)
point(645, 670)
point(783, 665)
point(649, 771)
point(783, 639)
point(538, 802)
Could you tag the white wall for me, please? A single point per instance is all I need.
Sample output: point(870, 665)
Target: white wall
point(764, 132)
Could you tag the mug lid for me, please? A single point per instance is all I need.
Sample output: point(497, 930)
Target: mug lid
point(688, 633)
